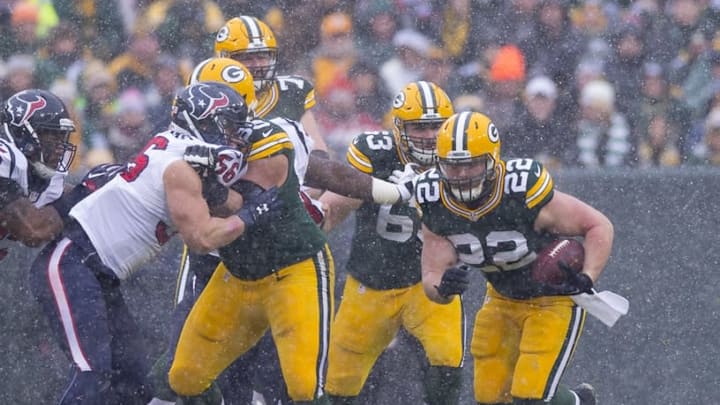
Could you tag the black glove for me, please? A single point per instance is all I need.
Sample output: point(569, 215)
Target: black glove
point(454, 281)
point(575, 283)
point(100, 175)
point(261, 208)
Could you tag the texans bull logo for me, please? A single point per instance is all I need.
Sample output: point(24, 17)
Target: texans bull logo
point(207, 99)
point(25, 109)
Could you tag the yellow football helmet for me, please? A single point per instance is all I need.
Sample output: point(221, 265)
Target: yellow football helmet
point(252, 43)
point(468, 148)
point(230, 72)
point(420, 106)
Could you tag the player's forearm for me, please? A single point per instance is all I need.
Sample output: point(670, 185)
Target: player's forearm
point(598, 245)
point(349, 182)
point(215, 233)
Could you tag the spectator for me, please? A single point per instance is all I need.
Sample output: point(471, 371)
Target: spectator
point(61, 57)
point(657, 145)
point(541, 131)
point(603, 137)
point(377, 25)
point(708, 151)
point(23, 22)
point(99, 92)
point(557, 61)
point(161, 93)
point(411, 51)
point(100, 24)
point(505, 85)
point(369, 92)
point(625, 66)
point(19, 74)
point(129, 130)
point(340, 120)
point(186, 27)
point(135, 66)
point(336, 53)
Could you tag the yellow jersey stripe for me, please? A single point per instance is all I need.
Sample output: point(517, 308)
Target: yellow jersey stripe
point(310, 100)
point(543, 186)
point(538, 184)
point(358, 160)
point(267, 101)
point(269, 146)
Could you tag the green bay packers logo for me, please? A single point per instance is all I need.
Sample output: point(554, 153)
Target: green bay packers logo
point(493, 133)
point(222, 34)
point(399, 100)
point(233, 74)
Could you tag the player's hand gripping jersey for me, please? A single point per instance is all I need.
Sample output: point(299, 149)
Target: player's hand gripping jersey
point(497, 237)
point(138, 205)
point(385, 250)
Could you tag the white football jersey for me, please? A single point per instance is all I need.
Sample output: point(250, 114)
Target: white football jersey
point(127, 220)
point(14, 166)
point(301, 141)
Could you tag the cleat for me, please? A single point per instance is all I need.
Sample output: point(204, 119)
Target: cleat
point(586, 393)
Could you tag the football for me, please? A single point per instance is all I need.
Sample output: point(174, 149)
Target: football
point(545, 268)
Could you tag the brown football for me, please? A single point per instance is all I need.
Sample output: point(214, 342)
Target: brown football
point(545, 268)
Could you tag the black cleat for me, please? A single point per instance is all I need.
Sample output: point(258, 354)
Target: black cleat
point(586, 393)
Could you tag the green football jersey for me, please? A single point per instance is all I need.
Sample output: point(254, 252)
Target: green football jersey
point(498, 237)
point(288, 97)
point(385, 252)
point(291, 238)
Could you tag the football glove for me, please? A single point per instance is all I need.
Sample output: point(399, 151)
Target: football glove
point(227, 163)
point(454, 281)
point(405, 180)
point(574, 283)
point(260, 208)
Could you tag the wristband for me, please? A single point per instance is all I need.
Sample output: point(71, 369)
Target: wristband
point(384, 192)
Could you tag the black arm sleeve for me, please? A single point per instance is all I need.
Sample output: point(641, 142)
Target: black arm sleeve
point(9, 192)
point(339, 178)
point(64, 204)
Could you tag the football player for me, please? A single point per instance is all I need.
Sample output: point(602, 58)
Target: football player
point(117, 228)
point(278, 278)
point(383, 290)
point(480, 212)
point(35, 155)
point(310, 168)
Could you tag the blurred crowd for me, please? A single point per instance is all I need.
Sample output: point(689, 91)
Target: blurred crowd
point(573, 83)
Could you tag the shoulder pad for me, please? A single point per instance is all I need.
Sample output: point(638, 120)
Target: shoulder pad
point(369, 147)
point(528, 179)
point(287, 82)
point(267, 140)
point(427, 187)
point(13, 164)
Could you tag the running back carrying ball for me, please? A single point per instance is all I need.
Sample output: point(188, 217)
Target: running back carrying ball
point(545, 269)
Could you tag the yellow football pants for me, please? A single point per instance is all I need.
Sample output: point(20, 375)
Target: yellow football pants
point(521, 348)
point(231, 315)
point(367, 321)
